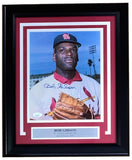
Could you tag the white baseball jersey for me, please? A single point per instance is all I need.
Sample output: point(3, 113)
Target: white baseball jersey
point(44, 94)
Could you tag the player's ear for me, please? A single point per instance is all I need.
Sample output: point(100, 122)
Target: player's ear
point(77, 59)
point(54, 57)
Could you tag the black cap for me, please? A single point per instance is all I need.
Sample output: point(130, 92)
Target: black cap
point(65, 38)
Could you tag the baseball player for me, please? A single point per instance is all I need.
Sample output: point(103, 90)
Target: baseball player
point(66, 94)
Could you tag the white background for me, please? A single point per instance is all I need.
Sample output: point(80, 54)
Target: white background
point(2, 2)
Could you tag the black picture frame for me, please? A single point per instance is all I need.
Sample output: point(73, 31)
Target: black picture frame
point(10, 13)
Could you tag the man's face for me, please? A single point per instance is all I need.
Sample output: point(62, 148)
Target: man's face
point(66, 56)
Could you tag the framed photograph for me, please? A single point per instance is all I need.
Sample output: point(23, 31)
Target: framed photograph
point(65, 80)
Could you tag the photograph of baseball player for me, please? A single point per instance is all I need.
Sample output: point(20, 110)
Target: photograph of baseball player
point(66, 94)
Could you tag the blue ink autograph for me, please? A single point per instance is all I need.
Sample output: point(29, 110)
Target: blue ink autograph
point(58, 86)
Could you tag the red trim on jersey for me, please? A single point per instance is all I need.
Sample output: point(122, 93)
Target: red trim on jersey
point(65, 80)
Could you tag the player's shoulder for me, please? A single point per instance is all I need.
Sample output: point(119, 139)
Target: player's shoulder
point(88, 79)
point(48, 78)
point(85, 77)
point(44, 80)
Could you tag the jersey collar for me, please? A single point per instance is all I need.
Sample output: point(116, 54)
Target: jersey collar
point(64, 80)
